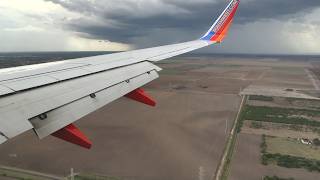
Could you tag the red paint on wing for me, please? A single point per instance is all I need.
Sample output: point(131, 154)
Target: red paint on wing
point(141, 96)
point(73, 135)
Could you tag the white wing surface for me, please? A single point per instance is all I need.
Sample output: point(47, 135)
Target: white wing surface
point(49, 97)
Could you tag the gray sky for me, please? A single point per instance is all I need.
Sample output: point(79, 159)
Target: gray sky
point(260, 26)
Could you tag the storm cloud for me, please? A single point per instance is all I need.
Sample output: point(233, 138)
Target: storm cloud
point(127, 21)
point(260, 26)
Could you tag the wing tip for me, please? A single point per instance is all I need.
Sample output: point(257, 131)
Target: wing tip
point(219, 29)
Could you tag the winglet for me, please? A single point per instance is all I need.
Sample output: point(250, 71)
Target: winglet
point(219, 29)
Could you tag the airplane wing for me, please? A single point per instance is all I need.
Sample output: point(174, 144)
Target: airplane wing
point(49, 97)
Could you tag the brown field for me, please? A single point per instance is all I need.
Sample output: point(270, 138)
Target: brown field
point(279, 130)
point(181, 139)
point(185, 132)
point(283, 102)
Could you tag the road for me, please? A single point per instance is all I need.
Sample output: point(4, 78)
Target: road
point(230, 145)
point(313, 79)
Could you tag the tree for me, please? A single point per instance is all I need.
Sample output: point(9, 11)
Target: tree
point(316, 142)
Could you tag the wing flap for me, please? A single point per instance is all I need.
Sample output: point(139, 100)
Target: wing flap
point(69, 113)
point(37, 69)
point(27, 83)
point(65, 75)
point(14, 123)
point(5, 90)
point(16, 109)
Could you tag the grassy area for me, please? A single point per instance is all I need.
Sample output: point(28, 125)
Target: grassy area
point(271, 126)
point(260, 98)
point(291, 147)
point(276, 178)
point(227, 65)
point(291, 161)
point(229, 149)
point(288, 153)
point(285, 152)
point(280, 115)
point(256, 125)
point(16, 175)
point(299, 100)
point(19, 174)
point(263, 144)
point(94, 177)
point(306, 103)
point(169, 71)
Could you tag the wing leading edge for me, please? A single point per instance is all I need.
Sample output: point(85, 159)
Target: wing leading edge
point(49, 97)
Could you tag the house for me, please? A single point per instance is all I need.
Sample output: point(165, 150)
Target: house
point(305, 141)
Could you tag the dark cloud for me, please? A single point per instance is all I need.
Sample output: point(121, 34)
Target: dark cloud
point(275, 9)
point(135, 19)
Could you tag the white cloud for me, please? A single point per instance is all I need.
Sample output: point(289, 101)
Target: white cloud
point(23, 39)
point(28, 28)
point(32, 6)
point(83, 44)
point(36, 25)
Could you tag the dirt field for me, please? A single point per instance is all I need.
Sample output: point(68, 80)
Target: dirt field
point(185, 132)
point(283, 102)
point(279, 130)
point(246, 163)
point(181, 139)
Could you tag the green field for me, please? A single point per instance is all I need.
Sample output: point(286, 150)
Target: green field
point(94, 177)
point(276, 178)
point(289, 153)
point(9, 173)
point(305, 103)
point(291, 147)
point(260, 98)
point(281, 115)
point(16, 174)
point(291, 161)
